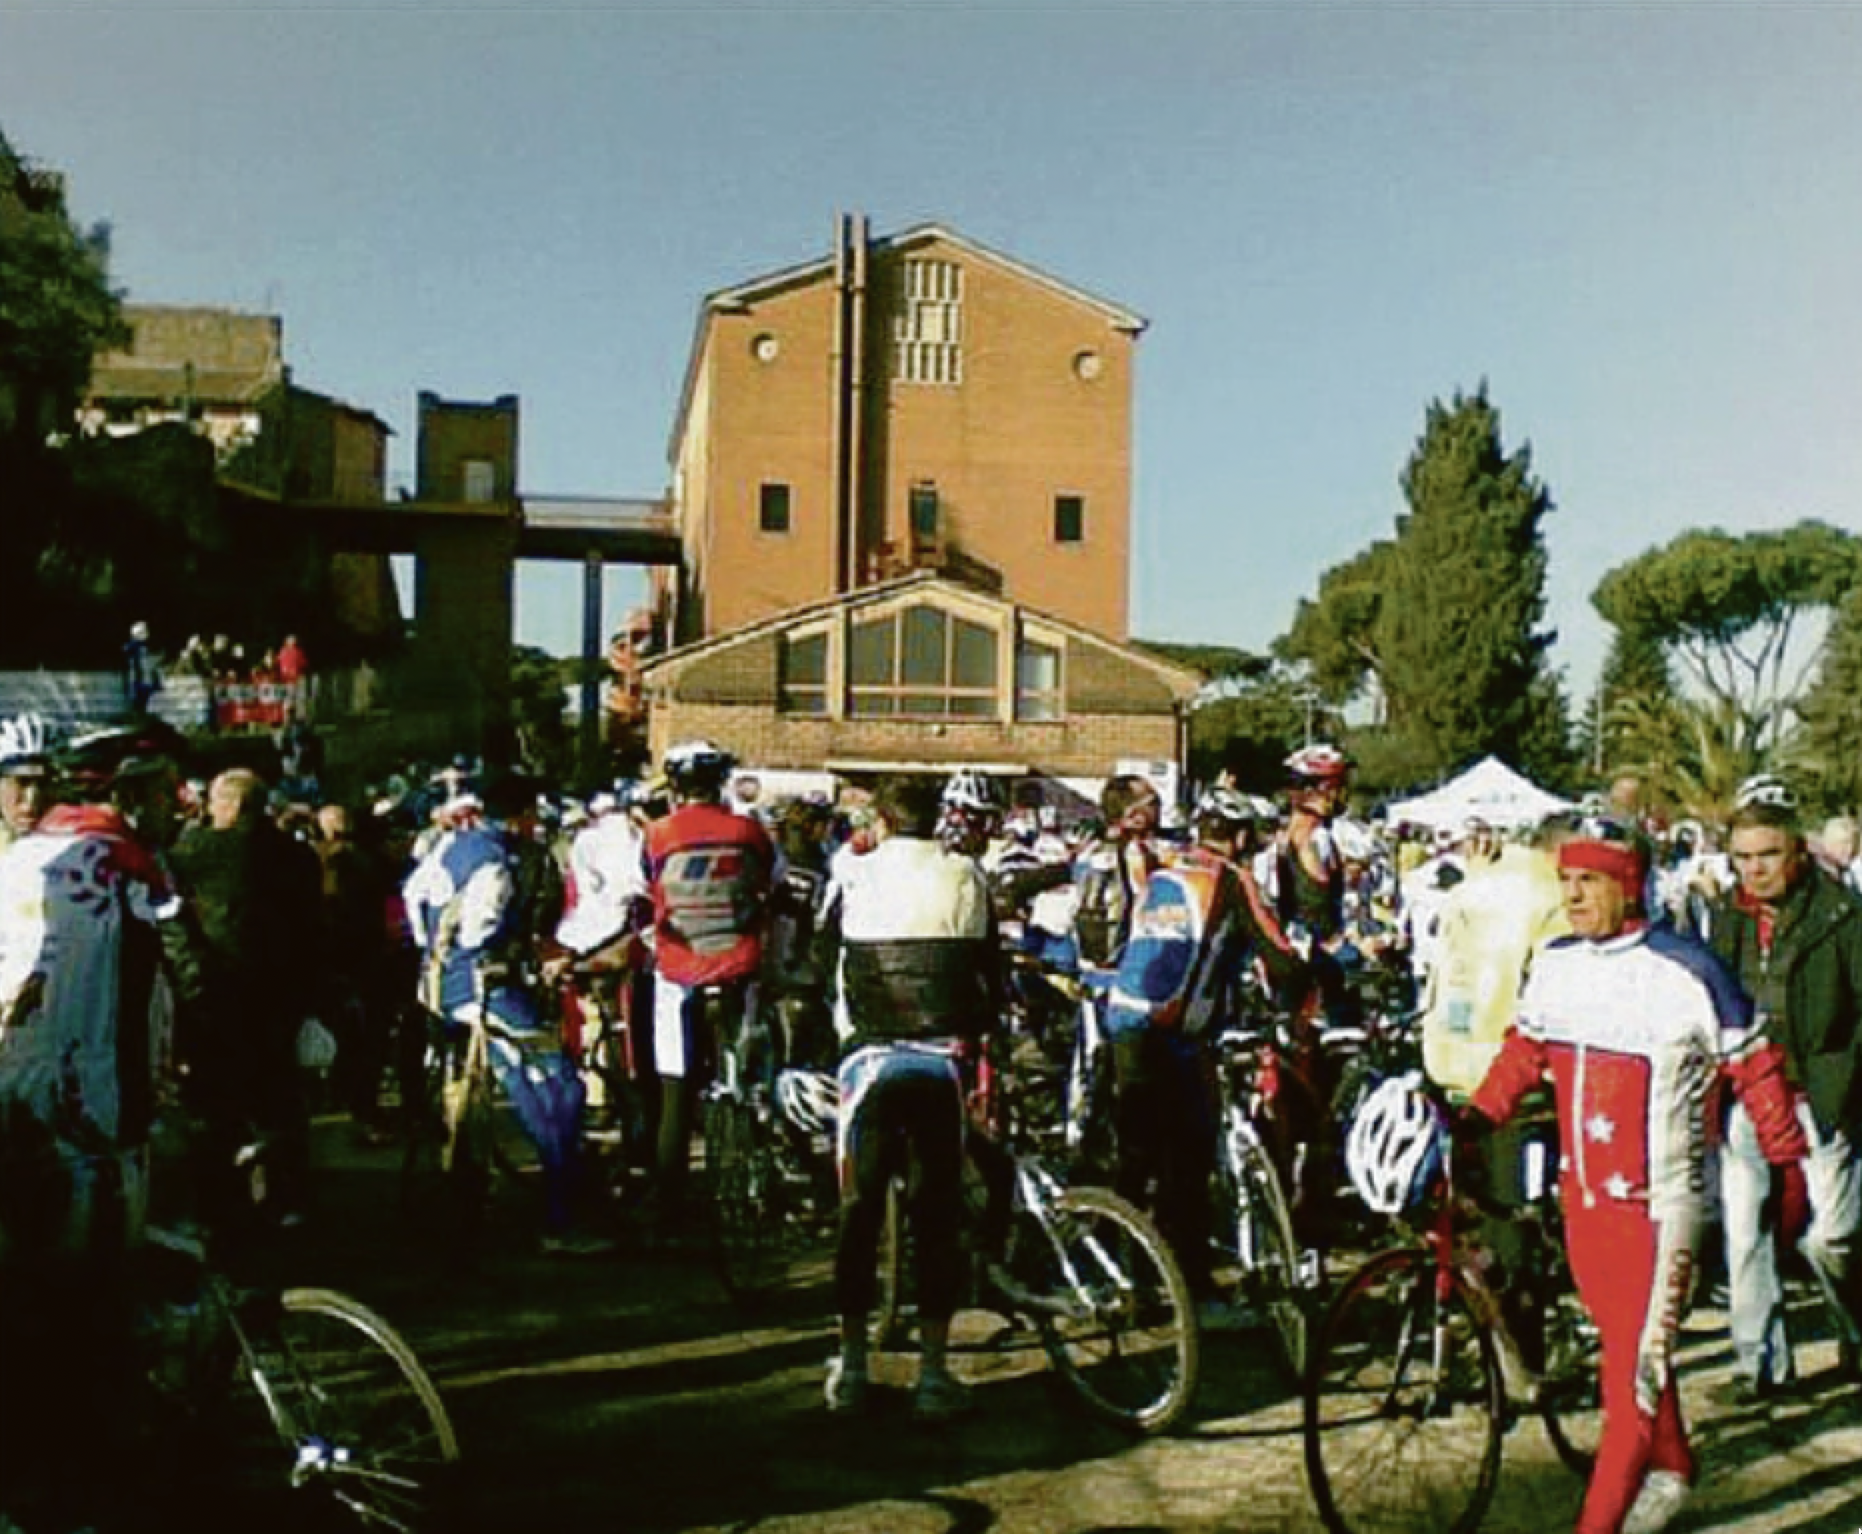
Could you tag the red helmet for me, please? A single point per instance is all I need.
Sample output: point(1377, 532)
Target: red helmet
point(1318, 764)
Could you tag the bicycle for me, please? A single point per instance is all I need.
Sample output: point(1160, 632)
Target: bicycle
point(771, 1173)
point(306, 1391)
point(1078, 1267)
point(1253, 1225)
point(1417, 1375)
point(466, 1133)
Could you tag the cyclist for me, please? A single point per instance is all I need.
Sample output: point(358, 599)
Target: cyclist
point(25, 775)
point(463, 907)
point(83, 901)
point(709, 871)
point(1110, 872)
point(918, 973)
point(1632, 1025)
point(1196, 926)
point(1303, 872)
point(970, 813)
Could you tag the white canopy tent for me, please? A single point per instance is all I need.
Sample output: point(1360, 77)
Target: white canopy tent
point(1489, 790)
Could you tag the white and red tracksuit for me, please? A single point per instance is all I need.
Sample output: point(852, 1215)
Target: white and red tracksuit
point(1634, 1032)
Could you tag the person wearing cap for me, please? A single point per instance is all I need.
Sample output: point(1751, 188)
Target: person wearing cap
point(25, 776)
point(1633, 1026)
point(1792, 934)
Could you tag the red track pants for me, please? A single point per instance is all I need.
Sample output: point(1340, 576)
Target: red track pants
point(1615, 1254)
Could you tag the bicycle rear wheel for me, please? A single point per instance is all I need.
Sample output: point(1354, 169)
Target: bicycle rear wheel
point(1570, 1390)
point(894, 1307)
point(1112, 1306)
point(761, 1224)
point(1405, 1408)
point(362, 1437)
point(1255, 1229)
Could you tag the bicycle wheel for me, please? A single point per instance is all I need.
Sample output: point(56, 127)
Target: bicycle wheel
point(1570, 1389)
point(1111, 1305)
point(361, 1435)
point(1255, 1230)
point(759, 1227)
point(1405, 1408)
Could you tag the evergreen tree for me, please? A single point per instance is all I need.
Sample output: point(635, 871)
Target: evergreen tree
point(1463, 659)
point(1829, 743)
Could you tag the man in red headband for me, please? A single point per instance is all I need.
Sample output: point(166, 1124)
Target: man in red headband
point(1633, 1027)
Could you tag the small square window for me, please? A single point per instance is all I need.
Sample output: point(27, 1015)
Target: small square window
point(1069, 518)
point(923, 505)
point(773, 508)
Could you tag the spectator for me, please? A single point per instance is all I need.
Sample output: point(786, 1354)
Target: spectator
point(293, 668)
point(255, 891)
point(141, 679)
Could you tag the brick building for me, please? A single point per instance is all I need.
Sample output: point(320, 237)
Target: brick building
point(913, 401)
point(902, 478)
point(921, 672)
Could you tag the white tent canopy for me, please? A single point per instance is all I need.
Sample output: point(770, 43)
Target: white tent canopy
point(1489, 790)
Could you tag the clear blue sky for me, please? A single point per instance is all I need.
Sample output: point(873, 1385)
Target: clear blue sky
point(1639, 223)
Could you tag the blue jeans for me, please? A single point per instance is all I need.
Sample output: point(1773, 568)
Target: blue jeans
point(1833, 1172)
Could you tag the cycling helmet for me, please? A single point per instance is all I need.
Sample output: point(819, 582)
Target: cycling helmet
point(25, 741)
point(1397, 1144)
point(1318, 763)
point(972, 791)
point(1767, 789)
point(92, 761)
point(1227, 804)
point(697, 764)
point(810, 1100)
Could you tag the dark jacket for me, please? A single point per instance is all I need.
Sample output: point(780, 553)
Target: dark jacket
point(1809, 990)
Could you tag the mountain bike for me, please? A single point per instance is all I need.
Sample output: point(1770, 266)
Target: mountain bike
point(1418, 1373)
point(770, 1171)
point(1077, 1271)
point(1252, 1226)
point(263, 1392)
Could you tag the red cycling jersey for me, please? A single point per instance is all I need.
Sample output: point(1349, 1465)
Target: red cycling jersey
point(710, 873)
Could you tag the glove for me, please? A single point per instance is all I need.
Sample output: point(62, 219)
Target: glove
point(1789, 1203)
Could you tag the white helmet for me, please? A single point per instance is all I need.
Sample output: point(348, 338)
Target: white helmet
point(697, 764)
point(1396, 1144)
point(810, 1100)
point(25, 741)
point(971, 790)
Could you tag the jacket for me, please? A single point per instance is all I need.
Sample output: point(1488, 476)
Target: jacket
point(1809, 991)
point(1634, 1032)
point(918, 958)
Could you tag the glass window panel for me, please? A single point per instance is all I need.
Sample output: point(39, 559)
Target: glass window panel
point(805, 661)
point(972, 707)
point(923, 504)
point(1037, 667)
point(922, 646)
point(805, 701)
point(865, 705)
point(869, 663)
point(921, 703)
point(973, 656)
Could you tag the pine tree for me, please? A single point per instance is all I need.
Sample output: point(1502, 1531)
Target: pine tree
point(1463, 656)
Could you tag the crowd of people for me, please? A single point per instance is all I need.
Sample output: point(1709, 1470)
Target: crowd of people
point(1687, 1014)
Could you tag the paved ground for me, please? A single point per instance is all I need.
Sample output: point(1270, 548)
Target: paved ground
point(629, 1393)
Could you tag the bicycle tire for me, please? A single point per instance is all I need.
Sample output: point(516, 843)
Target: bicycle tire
point(1570, 1391)
point(1115, 1317)
point(359, 1429)
point(1399, 1436)
point(757, 1234)
point(1256, 1232)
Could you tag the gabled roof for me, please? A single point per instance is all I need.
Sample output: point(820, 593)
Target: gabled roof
point(736, 299)
point(728, 300)
point(1183, 683)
